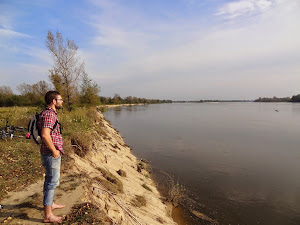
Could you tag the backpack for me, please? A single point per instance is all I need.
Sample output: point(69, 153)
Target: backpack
point(33, 131)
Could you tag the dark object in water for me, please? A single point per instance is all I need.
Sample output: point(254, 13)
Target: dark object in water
point(144, 160)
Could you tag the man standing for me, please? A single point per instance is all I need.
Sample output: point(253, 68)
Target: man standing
point(51, 151)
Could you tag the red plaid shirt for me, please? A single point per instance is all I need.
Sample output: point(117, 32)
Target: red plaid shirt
point(47, 119)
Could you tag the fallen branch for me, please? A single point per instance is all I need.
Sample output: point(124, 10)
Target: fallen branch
point(131, 214)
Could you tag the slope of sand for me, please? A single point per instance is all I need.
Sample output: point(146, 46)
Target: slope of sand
point(82, 182)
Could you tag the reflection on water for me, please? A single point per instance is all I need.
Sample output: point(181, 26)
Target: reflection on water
point(238, 160)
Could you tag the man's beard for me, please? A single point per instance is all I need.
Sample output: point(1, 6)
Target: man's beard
point(58, 106)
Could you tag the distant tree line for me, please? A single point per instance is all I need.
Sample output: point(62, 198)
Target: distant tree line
point(203, 101)
point(117, 99)
point(33, 95)
point(295, 98)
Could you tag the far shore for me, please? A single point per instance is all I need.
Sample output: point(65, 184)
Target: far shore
point(112, 106)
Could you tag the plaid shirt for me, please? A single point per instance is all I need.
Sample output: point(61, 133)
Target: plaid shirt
point(47, 119)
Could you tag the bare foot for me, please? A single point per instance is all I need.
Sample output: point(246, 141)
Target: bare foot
point(53, 219)
point(56, 206)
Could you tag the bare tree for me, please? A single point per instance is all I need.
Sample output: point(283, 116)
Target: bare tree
point(34, 94)
point(39, 89)
point(5, 90)
point(67, 68)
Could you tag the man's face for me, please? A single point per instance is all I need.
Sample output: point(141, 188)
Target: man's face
point(58, 102)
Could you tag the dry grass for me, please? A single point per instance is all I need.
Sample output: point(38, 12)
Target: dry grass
point(19, 158)
point(122, 173)
point(146, 187)
point(138, 201)
point(85, 213)
point(71, 182)
point(20, 161)
point(173, 192)
point(111, 182)
point(81, 143)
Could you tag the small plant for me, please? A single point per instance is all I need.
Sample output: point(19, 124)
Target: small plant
point(111, 182)
point(146, 187)
point(175, 191)
point(85, 213)
point(81, 143)
point(138, 201)
point(122, 173)
point(102, 109)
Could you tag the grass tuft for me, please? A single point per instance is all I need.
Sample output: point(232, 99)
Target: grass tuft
point(138, 201)
point(111, 182)
point(146, 187)
point(85, 213)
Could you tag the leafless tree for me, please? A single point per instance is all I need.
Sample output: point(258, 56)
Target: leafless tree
point(5, 90)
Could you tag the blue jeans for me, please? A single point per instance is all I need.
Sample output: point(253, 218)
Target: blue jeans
point(52, 172)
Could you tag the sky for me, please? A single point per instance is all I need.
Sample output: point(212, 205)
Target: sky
point(161, 49)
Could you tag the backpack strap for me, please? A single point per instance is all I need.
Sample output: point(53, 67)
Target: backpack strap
point(56, 122)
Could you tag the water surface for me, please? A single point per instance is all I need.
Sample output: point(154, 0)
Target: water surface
point(239, 161)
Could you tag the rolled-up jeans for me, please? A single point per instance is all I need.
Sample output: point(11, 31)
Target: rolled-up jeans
point(52, 174)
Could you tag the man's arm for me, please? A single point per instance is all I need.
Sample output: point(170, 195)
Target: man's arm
point(48, 141)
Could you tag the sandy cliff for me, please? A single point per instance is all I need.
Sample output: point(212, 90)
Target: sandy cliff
point(107, 176)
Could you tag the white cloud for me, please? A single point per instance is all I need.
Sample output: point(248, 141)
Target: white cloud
point(40, 55)
point(235, 9)
point(37, 68)
point(222, 57)
point(116, 37)
point(10, 34)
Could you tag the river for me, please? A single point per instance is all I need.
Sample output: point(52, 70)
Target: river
point(240, 162)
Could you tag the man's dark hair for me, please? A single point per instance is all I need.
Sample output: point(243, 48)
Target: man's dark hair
point(50, 95)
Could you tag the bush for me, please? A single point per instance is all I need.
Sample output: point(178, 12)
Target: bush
point(81, 143)
point(85, 213)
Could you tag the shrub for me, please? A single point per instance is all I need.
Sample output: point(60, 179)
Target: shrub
point(81, 143)
point(85, 213)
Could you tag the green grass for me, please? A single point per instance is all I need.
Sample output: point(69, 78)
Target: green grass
point(146, 187)
point(19, 158)
point(20, 161)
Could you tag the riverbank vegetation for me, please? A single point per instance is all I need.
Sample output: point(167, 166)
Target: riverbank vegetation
point(20, 158)
point(294, 98)
point(33, 95)
point(95, 155)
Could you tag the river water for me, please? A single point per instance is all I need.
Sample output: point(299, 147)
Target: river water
point(240, 162)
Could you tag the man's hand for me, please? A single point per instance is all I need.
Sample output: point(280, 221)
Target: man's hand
point(48, 141)
point(56, 154)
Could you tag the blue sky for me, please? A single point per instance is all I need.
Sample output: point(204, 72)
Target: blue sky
point(166, 49)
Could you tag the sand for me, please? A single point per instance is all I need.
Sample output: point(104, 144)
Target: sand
point(82, 183)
